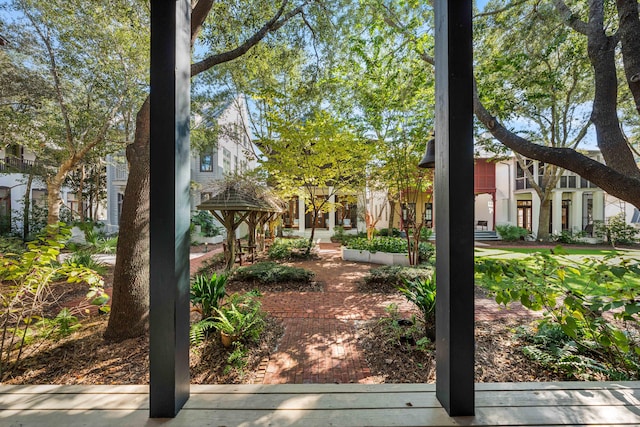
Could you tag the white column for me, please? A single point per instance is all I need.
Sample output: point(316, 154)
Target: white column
point(575, 211)
point(535, 212)
point(598, 205)
point(301, 213)
point(556, 212)
point(332, 212)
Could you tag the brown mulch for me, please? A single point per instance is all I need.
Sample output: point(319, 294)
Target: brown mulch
point(85, 358)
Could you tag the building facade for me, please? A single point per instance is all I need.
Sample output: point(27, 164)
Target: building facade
point(504, 195)
point(232, 153)
point(16, 163)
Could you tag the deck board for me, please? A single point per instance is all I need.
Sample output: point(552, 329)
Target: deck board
point(612, 404)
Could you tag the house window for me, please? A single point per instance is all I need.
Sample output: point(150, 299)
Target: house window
point(522, 181)
point(585, 183)
point(568, 181)
point(74, 204)
point(5, 209)
point(206, 162)
point(290, 216)
point(226, 161)
point(428, 215)
point(120, 200)
point(39, 198)
point(525, 214)
point(408, 213)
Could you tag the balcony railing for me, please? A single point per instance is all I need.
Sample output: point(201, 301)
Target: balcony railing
point(16, 165)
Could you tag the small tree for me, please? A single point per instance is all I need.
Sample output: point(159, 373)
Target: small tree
point(321, 156)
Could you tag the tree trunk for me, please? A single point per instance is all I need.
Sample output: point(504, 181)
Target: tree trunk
point(543, 220)
point(130, 299)
point(54, 202)
point(27, 207)
point(81, 195)
point(392, 214)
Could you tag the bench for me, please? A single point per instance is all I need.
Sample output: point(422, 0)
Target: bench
point(239, 251)
point(484, 225)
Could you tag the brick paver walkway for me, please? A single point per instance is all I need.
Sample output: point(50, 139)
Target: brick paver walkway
point(320, 342)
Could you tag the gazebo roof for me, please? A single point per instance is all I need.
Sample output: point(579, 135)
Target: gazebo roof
point(235, 199)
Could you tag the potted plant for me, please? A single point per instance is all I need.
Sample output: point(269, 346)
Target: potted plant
point(239, 319)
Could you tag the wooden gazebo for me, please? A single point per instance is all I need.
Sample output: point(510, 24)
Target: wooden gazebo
point(235, 203)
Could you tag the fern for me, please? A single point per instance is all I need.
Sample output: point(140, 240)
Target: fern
point(200, 330)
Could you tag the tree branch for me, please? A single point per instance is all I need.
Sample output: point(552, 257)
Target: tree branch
point(500, 10)
point(56, 78)
point(629, 30)
point(572, 19)
point(278, 20)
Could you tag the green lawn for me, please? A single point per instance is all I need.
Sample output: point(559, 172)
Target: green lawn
point(581, 266)
point(525, 251)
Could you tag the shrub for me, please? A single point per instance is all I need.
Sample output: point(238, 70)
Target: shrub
point(31, 274)
point(426, 251)
point(207, 292)
point(271, 272)
point(617, 231)
point(289, 249)
point(83, 258)
point(12, 246)
point(566, 237)
point(207, 223)
point(385, 232)
point(422, 292)
point(379, 244)
point(339, 236)
point(511, 233)
point(425, 234)
point(241, 317)
point(577, 298)
point(397, 274)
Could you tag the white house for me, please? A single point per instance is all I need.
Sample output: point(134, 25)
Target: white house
point(575, 205)
point(232, 153)
point(15, 164)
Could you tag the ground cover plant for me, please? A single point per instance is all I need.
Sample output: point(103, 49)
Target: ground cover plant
point(272, 275)
point(590, 325)
point(388, 278)
point(396, 245)
point(28, 280)
point(288, 249)
point(511, 233)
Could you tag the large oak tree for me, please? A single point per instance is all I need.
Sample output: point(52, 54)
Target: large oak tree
point(229, 30)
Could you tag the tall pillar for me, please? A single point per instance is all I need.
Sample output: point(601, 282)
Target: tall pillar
point(575, 211)
point(556, 212)
point(454, 193)
point(302, 208)
point(598, 205)
point(169, 207)
point(332, 213)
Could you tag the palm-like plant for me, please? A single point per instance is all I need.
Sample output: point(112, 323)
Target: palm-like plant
point(422, 292)
point(207, 292)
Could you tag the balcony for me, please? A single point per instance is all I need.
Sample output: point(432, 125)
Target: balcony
point(16, 165)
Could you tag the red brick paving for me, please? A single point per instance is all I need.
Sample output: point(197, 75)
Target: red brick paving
point(320, 343)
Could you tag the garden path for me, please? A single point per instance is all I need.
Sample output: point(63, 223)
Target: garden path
point(320, 343)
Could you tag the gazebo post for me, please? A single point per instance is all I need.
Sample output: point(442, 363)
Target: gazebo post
point(169, 207)
point(454, 226)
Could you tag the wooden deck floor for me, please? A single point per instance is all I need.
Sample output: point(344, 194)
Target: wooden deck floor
point(512, 404)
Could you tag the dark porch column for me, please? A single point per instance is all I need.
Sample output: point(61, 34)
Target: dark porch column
point(454, 207)
point(169, 207)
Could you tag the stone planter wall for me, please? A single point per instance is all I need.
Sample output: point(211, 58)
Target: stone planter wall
point(385, 258)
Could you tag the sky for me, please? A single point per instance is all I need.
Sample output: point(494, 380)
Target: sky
point(481, 4)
